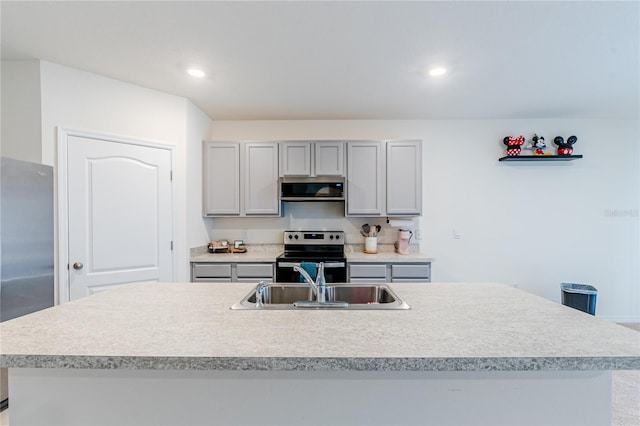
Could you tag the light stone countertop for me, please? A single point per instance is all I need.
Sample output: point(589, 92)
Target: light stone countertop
point(385, 257)
point(268, 253)
point(450, 326)
point(249, 256)
point(255, 253)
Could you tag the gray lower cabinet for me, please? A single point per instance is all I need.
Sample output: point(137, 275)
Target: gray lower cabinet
point(211, 272)
point(232, 272)
point(389, 272)
point(368, 273)
point(410, 272)
point(254, 272)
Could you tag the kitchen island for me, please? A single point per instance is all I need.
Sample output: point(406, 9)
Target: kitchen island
point(166, 353)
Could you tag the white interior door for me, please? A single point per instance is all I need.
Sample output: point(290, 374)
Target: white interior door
point(119, 214)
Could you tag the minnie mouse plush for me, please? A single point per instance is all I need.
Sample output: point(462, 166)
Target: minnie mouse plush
point(565, 148)
point(513, 145)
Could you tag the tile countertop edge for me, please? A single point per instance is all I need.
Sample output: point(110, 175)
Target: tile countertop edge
point(321, 364)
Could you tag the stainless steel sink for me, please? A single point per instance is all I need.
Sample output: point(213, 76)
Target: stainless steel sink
point(357, 296)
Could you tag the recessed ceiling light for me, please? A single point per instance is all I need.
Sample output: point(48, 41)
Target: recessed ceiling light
point(194, 72)
point(437, 72)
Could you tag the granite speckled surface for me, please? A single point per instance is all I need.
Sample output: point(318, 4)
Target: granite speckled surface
point(269, 252)
point(255, 253)
point(385, 257)
point(450, 327)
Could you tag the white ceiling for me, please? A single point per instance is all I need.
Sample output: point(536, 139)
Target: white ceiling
point(351, 60)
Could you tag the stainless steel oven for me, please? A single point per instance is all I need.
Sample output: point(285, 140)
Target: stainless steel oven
point(314, 247)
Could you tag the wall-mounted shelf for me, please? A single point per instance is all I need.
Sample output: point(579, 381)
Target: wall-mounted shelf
point(540, 158)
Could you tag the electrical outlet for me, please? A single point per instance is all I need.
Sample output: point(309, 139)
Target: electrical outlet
point(456, 234)
point(418, 235)
point(244, 235)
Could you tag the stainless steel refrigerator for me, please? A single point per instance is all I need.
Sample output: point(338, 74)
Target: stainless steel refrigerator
point(26, 242)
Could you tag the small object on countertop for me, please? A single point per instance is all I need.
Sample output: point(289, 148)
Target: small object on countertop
point(371, 245)
point(239, 247)
point(221, 246)
point(366, 228)
point(374, 230)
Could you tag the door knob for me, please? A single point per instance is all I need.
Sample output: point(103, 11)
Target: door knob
point(77, 265)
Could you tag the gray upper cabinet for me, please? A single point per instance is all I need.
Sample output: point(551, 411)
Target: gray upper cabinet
point(241, 179)
point(384, 178)
point(365, 172)
point(404, 178)
point(329, 158)
point(221, 179)
point(306, 158)
point(261, 179)
point(295, 158)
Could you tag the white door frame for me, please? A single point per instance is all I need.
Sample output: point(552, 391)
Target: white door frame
point(62, 199)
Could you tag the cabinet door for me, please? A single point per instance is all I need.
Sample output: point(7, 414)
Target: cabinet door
point(329, 158)
point(255, 270)
point(368, 270)
point(211, 272)
point(221, 178)
point(295, 158)
point(417, 271)
point(365, 169)
point(404, 178)
point(261, 179)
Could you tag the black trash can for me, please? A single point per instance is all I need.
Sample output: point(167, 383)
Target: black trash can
point(580, 296)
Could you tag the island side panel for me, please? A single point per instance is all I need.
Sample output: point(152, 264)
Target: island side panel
point(97, 397)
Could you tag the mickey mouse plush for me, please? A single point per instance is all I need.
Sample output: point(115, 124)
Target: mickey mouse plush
point(513, 145)
point(565, 148)
point(537, 143)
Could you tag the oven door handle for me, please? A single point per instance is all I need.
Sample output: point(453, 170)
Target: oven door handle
point(327, 265)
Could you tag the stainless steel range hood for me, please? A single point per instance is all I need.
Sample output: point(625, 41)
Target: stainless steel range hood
point(305, 188)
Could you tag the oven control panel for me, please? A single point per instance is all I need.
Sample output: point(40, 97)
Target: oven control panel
point(314, 237)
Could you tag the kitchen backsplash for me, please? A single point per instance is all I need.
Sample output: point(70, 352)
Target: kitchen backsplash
point(299, 216)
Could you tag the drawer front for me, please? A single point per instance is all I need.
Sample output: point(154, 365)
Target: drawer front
point(411, 271)
point(254, 280)
point(212, 270)
point(258, 270)
point(212, 280)
point(368, 280)
point(368, 271)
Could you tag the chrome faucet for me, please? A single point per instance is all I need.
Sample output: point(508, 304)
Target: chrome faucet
point(319, 287)
point(260, 289)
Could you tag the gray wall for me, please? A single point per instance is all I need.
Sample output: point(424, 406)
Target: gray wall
point(21, 113)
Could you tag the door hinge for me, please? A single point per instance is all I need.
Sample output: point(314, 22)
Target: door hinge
point(171, 245)
point(171, 175)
